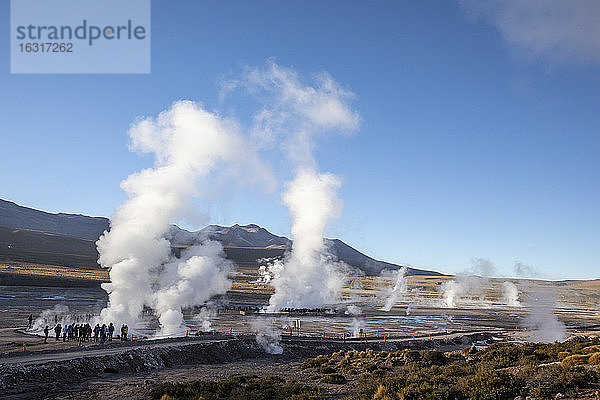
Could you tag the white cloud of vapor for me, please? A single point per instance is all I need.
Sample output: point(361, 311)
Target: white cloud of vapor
point(469, 285)
point(294, 113)
point(563, 32)
point(189, 144)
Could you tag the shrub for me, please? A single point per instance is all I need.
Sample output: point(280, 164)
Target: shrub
point(327, 369)
point(314, 362)
point(591, 349)
point(236, 387)
point(575, 359)
point(551, 379)
point(433, 357)
point(489, 384)
point(411, 355)
point(334, 378)
point(594, 359)
point(470, 351)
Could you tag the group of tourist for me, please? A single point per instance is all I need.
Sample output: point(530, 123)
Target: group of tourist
point(83, 332)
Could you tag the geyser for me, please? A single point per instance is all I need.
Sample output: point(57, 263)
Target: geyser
point(188, 144)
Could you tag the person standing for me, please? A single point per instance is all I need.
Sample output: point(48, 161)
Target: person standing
point(57, 330)
point(111, 330)
point(46, 331)
point(30, 325)
point(103, 332)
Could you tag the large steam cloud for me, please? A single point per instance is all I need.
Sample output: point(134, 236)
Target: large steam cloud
point(308, 279)
point(294, 113)
point(470, 287)
point(188, 144)
point(191, 146)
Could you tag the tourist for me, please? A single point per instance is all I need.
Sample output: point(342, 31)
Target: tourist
point(57, 330)
point(111, 329)
point(46, 331)
point(30, 325)
point(103, 332)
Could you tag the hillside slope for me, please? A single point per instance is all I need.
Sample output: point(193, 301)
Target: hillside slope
point(28, 235)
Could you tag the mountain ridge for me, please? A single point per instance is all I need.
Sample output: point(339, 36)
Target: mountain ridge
point(31, 235)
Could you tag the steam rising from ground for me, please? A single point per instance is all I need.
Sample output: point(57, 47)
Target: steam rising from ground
point(398, 290)
point(308, 278)
point(357, 324)
point(470, 287)
point(510, 294)
point(188, 144)
point(296, 113)
point(204, 317)
point(541, 322)
point(268, 336)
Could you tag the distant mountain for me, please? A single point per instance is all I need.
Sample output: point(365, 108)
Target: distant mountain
point(253, 236)
point(29, 235)
point(18, 217)
point(233, 236)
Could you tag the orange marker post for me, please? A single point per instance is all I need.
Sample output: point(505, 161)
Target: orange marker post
point(24, 346)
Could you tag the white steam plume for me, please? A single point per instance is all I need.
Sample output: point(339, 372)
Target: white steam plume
point(541, 322)
point(204, 318)
point(357, 324)
point(469, 286)
point(297, 112)
point(188, 144)
point(398, 290)
point(510, 294)
point(308, 278)
point(268, 336)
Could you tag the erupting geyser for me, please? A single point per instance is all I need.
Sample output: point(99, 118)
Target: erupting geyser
point(296, 113)
point(308, 279)
point(188, 144)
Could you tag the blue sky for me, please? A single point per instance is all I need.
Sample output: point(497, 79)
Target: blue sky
point(476, 141)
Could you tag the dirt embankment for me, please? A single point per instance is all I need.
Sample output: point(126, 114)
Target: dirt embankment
point(26, 379)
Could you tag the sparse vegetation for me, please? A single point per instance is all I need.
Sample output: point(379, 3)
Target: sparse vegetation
point(501, 371)
point(237, 387)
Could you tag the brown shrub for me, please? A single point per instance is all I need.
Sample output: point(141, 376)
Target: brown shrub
point(594, 359)
point(591, 349)
point(575, 359)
